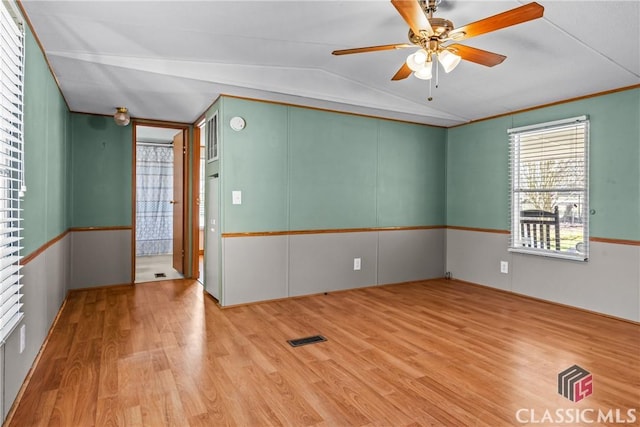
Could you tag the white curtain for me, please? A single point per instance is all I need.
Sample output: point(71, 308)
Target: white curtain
point(154, 191)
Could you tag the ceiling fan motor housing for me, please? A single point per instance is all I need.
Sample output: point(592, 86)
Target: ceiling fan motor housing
point(441, 28)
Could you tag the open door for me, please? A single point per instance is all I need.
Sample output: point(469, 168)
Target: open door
point(178, 201)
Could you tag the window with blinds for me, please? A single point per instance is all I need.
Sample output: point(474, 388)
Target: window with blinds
point(212, 138)
point(11, 168)
point(549, 189)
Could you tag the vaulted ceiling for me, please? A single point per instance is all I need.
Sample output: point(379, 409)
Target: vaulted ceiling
point(169, 60)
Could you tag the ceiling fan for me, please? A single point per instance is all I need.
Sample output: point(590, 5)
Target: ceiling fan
point(432, 34)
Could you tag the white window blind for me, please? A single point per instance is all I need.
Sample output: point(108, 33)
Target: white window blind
point(549, 189)
point(11, 167)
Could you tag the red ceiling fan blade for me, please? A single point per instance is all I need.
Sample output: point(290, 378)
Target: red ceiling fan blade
point(511, 17)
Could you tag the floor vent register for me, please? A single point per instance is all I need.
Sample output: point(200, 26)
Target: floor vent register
point(307, 340)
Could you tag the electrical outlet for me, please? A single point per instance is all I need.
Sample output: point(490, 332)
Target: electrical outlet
point(357, 263)
point(504, 267)
point(23, 337)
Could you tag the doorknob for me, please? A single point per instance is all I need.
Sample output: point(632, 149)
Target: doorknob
point(173, 202)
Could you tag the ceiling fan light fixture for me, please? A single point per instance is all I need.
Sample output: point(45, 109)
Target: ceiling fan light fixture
point(425, 73)
point(448, 60)
point(122, 117)
point(416, 61)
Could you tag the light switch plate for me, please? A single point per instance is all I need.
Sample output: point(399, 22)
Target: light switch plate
point(236, 197)
point(356, 264)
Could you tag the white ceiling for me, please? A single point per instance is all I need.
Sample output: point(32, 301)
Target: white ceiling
point(169, 60)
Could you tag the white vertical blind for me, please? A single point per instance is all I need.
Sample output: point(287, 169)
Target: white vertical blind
point(11, 168)
point(549, 188)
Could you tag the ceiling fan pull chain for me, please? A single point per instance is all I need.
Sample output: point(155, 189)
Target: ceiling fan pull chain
point(437, 81)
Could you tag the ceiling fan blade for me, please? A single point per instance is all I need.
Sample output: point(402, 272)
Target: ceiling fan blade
point(413, 14)
point(511, 17)
point(371, 49)
point(402, 73)
point(479, 56)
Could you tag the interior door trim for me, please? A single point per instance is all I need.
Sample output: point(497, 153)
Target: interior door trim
point(185, 127)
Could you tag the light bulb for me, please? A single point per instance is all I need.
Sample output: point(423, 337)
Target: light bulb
point(420, 56)
point(416, 60)
point(448, 60)
point(425, 73)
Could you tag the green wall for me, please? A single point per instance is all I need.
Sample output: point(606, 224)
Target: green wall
point(77, 166)
point(411, 172)
point(101, 172)
point(478, 174)
point(305, 169)
point(47, 151)
point(333, 161)
point(254, 161)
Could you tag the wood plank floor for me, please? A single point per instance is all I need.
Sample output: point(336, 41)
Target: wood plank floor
point(437, 353)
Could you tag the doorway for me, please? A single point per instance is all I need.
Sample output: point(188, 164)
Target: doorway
point(159, 210)
point(199, 136)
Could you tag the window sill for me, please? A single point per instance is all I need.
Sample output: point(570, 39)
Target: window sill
point(550, 254)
